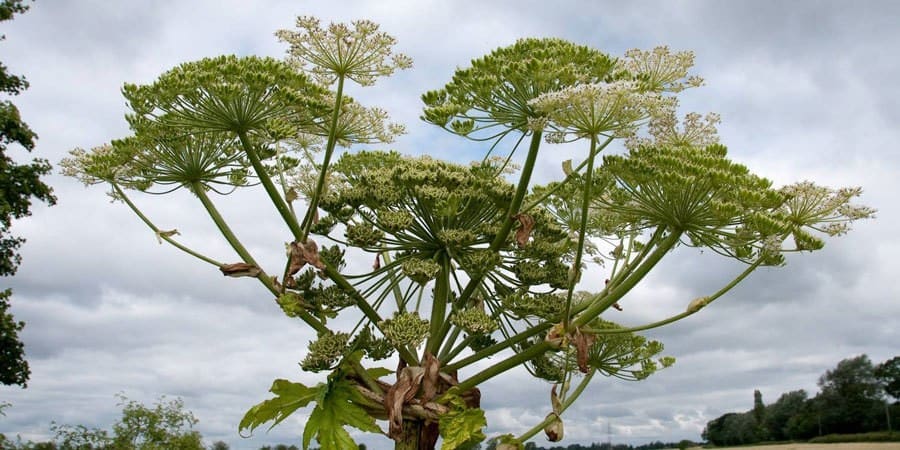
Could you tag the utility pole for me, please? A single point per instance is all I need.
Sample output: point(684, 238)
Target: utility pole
point(609, 434)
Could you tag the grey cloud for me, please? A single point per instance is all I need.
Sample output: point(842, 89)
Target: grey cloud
point(802, 90)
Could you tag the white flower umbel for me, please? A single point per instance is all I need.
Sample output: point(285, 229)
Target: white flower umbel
point(694, 131)
point(361, 54)
point(659, 70)
point(597, 109)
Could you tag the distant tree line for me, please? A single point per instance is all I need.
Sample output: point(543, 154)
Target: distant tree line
point(854, 397)
point(492, 445)
point(167, 425)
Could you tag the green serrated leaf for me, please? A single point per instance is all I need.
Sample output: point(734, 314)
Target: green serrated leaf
point(289, 397)
point(378, 372)
point(335, 408)
point(461, 425)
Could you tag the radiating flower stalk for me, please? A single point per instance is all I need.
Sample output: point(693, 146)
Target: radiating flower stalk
point(466, 265)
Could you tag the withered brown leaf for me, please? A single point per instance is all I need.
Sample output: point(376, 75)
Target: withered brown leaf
point(302, 254)
point(408, 382)
point(526, 223)
point(239, 270)
point(430, 381)
point(583, 342)
point(554, 429)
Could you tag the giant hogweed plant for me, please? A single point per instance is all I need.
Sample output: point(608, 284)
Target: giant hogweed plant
point(470, 263)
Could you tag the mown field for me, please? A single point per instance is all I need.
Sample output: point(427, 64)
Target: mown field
point(839, 446)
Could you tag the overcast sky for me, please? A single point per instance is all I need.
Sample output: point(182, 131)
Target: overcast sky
point(806, 90)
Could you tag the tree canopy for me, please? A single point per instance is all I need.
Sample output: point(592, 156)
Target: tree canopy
point(20, 184)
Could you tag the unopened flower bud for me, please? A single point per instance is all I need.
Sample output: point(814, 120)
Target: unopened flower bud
point(554, 429)
point(697, 304)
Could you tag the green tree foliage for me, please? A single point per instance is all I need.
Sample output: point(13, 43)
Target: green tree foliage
point(13, 366)
point(778, 414)
point(470, 263)
point(759, 416)
point(849, 402)
point(165, 426)
point(888, 373)
point(80, 437)
point(20, 184)
point(849, 397)
point(219, 445)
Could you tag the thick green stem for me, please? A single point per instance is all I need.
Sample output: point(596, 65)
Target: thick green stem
point(595, 309)
point(575, 273)
point(280, 204)
point(411, 438)
point(200, 191)
point(521, 191)
point(439, 307)
point(323, 171)
point(565, 405)
point(121, 194)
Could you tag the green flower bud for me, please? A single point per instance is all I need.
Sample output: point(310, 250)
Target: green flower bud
point(405, 329)
point(363, 235)
point(479, 262)
point(456, 237)
point(333, 256)
point(420, 270)
point(395, 221)
point(474, 321)
point(324, 351)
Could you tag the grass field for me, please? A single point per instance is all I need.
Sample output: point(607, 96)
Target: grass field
point(840, 446)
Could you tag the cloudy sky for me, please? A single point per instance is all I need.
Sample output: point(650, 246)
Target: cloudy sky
point(806, 90)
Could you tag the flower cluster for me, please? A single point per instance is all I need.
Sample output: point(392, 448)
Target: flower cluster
point(522, 305)
point(695, 130)
point(716, 203)
point(497, 89)
point(102, 164)
point(360, 125)
point(589, 110)
point(419, 270)
point(361, 54)
point(818, 208)
point(625, 355)
point(325, 351)
point(660, 70)
point(405, 329)
point(474, 321)
point(249, 95)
